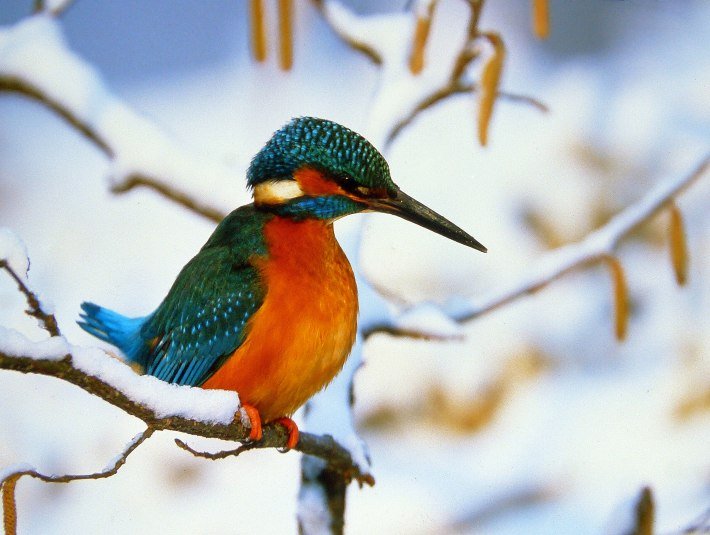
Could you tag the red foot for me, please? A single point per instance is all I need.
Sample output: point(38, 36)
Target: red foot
point(255, 420)
point(292, 429)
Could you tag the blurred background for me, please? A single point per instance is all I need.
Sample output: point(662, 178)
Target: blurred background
point(537, 420)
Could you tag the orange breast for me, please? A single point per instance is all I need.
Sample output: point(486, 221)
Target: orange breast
point(300, 337)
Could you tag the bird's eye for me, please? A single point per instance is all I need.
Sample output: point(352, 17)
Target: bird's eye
point(346, 180)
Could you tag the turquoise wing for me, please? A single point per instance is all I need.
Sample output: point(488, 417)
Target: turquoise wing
point(205, 316)
point(203, 319)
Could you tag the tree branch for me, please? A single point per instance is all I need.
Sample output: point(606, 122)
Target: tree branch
point(53, 8)
point(47, 321)
point(13, 84)
point(700, 525)
point(341, 22)
point(102, 118)
point(171, 193)
point(455, 87)
point(394, 60)
point(275, 436)
point(110, 470)
point(596, 246)
point(9, 481)
point(134, 180)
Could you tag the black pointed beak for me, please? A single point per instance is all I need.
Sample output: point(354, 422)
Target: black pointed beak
point(408, 208)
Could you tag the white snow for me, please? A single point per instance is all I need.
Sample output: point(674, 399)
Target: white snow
point(56, 6)
point(142, 148)
point(212, 406)
point(428, 320)
point(35, 51)
point(7, 471)
point(345, 22)
point(110, 465)
point(165, 399)
point(329, 412)
point(313, 514)
point(14, 252)
point(17, 344)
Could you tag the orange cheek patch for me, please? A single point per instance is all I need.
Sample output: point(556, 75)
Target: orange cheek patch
point(313, 182)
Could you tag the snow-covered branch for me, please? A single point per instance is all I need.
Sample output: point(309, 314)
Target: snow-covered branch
point(36, 62)
point(161, 406)
point(11, 474)
point(429, 320)
point(131, 180)
point(47, 321)
point(350, 29)
point(54, 8)
point(598, 245)
point(407, 86)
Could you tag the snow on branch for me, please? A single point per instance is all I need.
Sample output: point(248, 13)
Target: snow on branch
point(14, 260)
point(407, 87)
point(598, 245)
point(13, 254)
point(351, 29)
point(161, 406)
point(11, 474)
point(36, 62)
point(54, 8)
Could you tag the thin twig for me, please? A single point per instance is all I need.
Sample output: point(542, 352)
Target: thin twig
point(353, 42)
point(454, 88)
point(11, 479)
point(700, 525)
point(323, 447)
point(469, 51)
point(109, 471)
point(597, 246)
point(59, 9)
point(594, 248)
point(218, 455)
point(135, 180)
point(47, 321)
point(13, 84)
point(455, 84)
point(169, 192)
point(496, 508)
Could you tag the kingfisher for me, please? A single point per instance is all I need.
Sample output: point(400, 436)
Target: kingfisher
point(268, 307)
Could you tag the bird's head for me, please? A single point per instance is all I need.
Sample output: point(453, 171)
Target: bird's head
point(314, 168)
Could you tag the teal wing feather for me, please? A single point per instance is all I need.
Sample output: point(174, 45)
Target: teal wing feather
point(204, 318)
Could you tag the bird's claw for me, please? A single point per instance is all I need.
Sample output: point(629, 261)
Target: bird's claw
point(256, 433)
point(254, 422)
point(293, 433)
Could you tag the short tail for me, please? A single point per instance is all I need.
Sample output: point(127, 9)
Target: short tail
point(117, 330)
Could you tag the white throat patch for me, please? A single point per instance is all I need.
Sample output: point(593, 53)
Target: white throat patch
point(276, 192)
